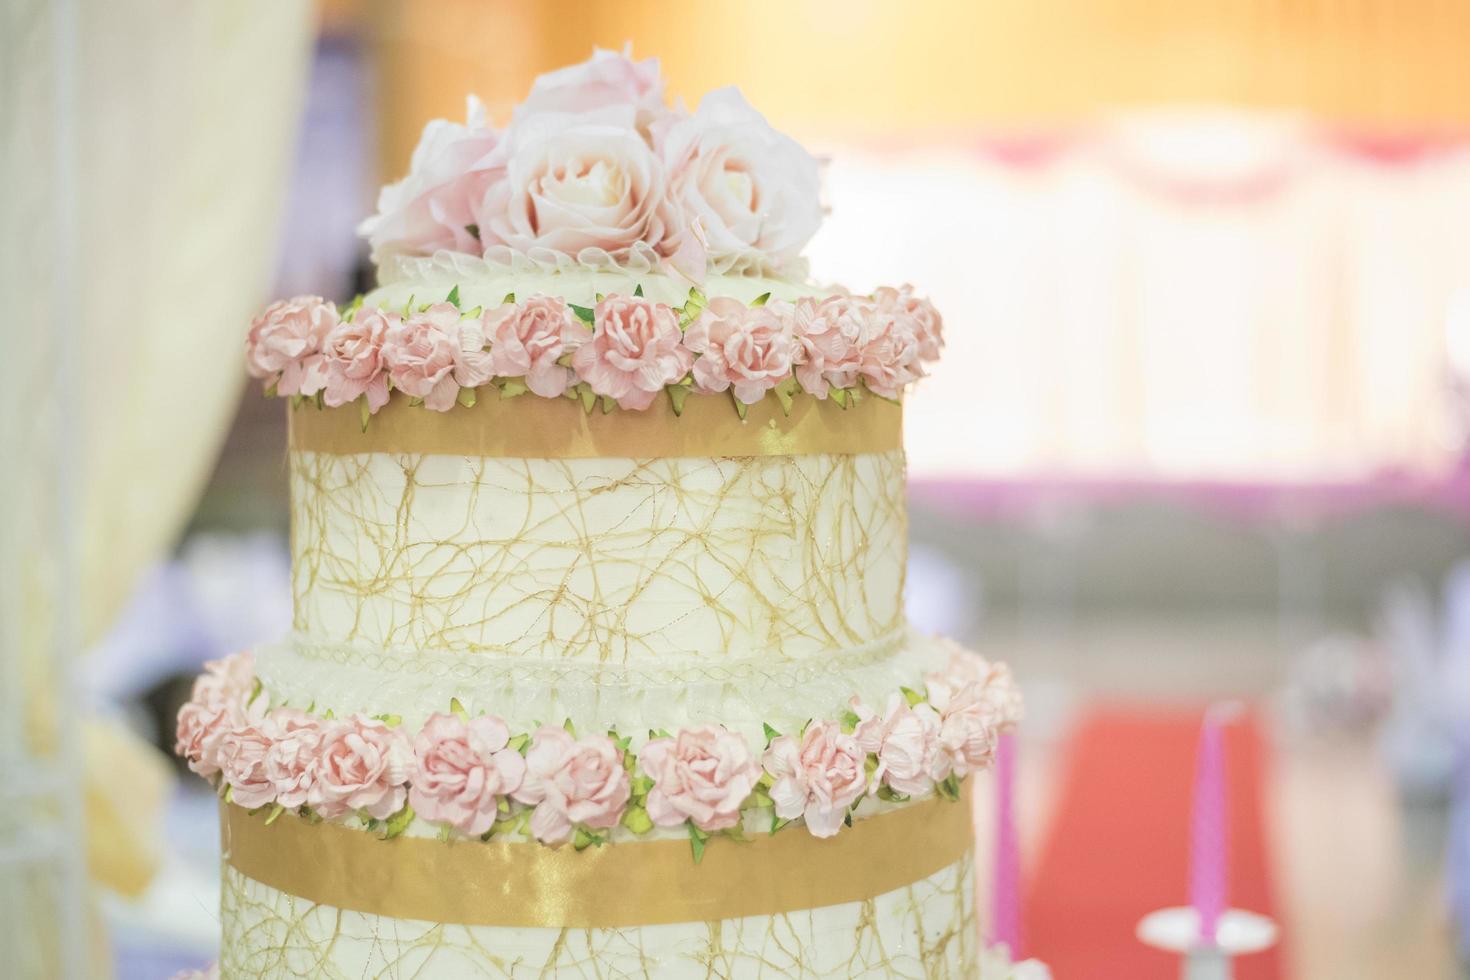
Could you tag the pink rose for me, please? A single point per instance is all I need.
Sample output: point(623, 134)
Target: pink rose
point(200, 735)
point(703, 775)
point(578, 182)
point(607, 79)
point(285, 343)
point(967, 722)
point(420, 355)
point(888, 353)
point(353, 354)
point(635, 350)
point(927, 324)
point(242, 756)
point(527, 340)
point(290, 763)
point(998, 687)
point(905, 738)
point(573, 782)
point(362, 764)
point(826, 353)
point(747, 347)
point(754, 193)
point(818, 777)
point(462, 769)
point(218, 704)
point(433, 207)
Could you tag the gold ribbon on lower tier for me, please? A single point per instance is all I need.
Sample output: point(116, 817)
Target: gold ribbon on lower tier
point(624, 884)
point(532, 427)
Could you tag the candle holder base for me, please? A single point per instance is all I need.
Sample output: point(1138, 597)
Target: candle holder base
point(1177, 931)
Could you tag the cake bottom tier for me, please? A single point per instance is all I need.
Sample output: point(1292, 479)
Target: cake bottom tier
point(925, 929)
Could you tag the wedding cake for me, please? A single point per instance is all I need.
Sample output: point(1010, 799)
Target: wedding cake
point(599, 663)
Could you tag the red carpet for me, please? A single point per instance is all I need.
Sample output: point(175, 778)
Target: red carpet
point(1119, 842)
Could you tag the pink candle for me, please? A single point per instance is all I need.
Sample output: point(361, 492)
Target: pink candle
point(1005, 910)
point(1209, 830)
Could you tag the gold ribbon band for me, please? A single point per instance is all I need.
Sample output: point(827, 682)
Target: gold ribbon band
point(532, 427)
point(503, 883)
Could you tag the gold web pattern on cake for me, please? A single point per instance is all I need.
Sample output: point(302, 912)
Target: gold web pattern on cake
point(612, 560)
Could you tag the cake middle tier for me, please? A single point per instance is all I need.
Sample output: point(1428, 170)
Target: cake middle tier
point(607, 560)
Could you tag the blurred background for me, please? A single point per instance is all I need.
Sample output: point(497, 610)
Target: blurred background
point(1200, 432)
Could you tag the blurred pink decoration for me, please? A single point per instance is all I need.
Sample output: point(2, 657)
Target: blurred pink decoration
point(1005, 913)
point(1209, 834)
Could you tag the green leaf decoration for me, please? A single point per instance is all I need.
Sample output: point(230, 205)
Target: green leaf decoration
point(399, 822)
point(911, 696)
point(850, 720)
point(392, 721)
point(677, 394)
point(697, 840)
point(255, 688)
point(474, 230)
point(588, 396)
point(310, 815)
point(453, 298)
point(408, 306)
point(599, 297)
point(276, 811)
point(741, 409)
point(771, 734)
point(637, 820)
point(584, 839)
point(320, 399)
point(762, 299)
point(444, 833)
point(270, 390)
point(583, 313)
point(840, 396)
point(847, 819)
point(638, 290)
point(364, 413)
point(229, 793)
point(759, 798)
point(512, 388)
point(777, 823)
point(641, 785)
point(353, 307)
point(520, 742)
point(475, 312)
point(466, 397)
point(509, 298)
point(608, 405)
point(457, 709)
point(784, 392)
point(503, 805)
point(571, 730)
point(329, 714)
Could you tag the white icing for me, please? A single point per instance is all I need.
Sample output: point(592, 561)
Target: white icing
point(486, 281)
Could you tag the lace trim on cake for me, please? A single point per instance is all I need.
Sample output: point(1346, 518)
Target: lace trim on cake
point(639, 259)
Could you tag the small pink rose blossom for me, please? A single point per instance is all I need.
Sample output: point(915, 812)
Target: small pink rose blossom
point(825, 353)
point(353, 354)
point(927, 324)
point(200, 735)
point(527, 340)
point(362, 764)
point(635, 350)
point(229, 679)
point(817, 777)
point(573, 782)
point(243, 754)
point(285, 344)
point(420, 355)
point(905, 738)
point(999, 688)
point(747, 347)
point(703, 775)
point(888, 352)
point(290, 763)
point(967, 722)
point(462, 769)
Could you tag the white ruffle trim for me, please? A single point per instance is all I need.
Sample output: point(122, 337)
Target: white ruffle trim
point(743, 695)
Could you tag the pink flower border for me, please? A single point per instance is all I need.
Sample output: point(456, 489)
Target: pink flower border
point(625, 350)
point(471, 776)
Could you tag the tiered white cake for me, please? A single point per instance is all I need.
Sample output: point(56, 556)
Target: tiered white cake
point(609, 676)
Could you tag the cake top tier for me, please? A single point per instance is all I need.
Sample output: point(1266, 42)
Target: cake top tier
point(603, 247)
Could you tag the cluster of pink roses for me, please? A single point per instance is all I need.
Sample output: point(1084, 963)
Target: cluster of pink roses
point(595, 162)
point(470, 774)
point(629, 352)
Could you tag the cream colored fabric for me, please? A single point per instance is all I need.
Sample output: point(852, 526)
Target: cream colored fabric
point(1193, 295)
point(182, 117)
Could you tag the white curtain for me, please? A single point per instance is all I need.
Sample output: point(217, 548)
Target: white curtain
point(1199, 295)
point(145, 152)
